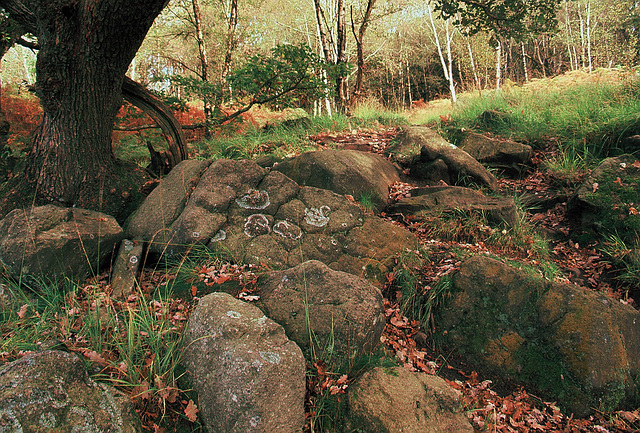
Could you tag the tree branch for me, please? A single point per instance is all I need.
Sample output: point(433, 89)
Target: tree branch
point(21, 14)
point(139, 96)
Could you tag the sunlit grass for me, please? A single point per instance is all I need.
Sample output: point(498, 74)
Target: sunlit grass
point(582, 117)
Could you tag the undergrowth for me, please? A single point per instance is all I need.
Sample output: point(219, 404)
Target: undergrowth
point(585, 118)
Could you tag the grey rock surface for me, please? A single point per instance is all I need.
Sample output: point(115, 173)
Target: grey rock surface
point(50, 391)
point(248, 375)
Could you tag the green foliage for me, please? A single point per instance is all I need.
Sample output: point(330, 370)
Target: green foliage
point(517, 19)
point(290, 75)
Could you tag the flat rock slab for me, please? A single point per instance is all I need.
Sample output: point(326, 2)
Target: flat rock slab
point(440, 200)
point(396, 400)
point(50, 391)
point(364, 175)
point(575, 346)
point(262, 217)
point(505, 154)
point(419, 146)
point(344, 312)
point(248, 375)
point(50, 242)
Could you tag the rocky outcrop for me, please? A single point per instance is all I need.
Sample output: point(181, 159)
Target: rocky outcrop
point(425, 153)
point(500, 153)
point(49, 242)
point(607, 201)
point(248, 375)
point(396, 400)
point(366, 176)
point(440, 200)
point(574, 345)
point(343, 312)
point(51, 391)
point(264, 217)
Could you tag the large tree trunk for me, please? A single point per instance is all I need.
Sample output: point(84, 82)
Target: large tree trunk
point(85, 49)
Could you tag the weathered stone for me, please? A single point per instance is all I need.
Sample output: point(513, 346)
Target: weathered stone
point(501, 153)
point(361, 174)
point(607, 201)
point(50, 242)
point(439, 200)
point(344, 312)
point(574, 345)
point(50, 391)
point(248, 375)
point(418, 145)
point(125, 268)
point(165, 202)
point(264, 217)
point(396, 400)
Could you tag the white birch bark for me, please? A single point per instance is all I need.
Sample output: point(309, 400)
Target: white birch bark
point(447, 68)
point(524, 63)
point(498, 64)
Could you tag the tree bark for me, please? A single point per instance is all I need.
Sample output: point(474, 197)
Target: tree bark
point(360, 49)
point(139, 96)
point(85, 50)
point(341, 56)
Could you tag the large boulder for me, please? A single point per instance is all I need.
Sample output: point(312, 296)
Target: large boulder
point(607, 201)
point(266, 218)
point(366, 176)
point(500, 153)
point(248, 375)
point(395, 400)
point(423, 150)
point(166, 201)
point(439, 200)
point(50, 391)
point(342, 311)
point(572, 344)
point(50, 242)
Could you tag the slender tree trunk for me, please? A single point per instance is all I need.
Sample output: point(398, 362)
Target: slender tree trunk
point(583, 41)
point(204, 63)
point(324, 44)
point(498, 64)
point(589, 36)
point(357, 91)
point(232, 25)
point(341, 56)
point(447, 68)
point(524, 63)
point(474, 69)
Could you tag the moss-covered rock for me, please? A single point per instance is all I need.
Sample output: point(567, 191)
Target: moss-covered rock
point(343, 312)
point(573, 345)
